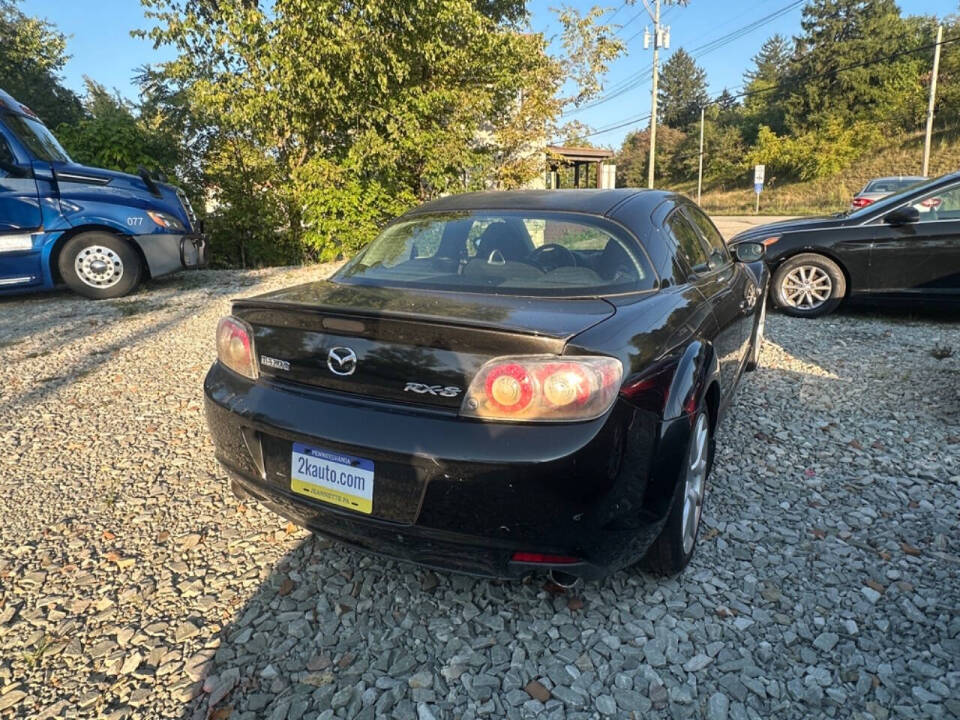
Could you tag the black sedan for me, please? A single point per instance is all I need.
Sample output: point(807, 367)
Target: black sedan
point(499, 383)
point(903, 248)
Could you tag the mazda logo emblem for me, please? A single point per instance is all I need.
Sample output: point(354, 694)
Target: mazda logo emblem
point(342, 361)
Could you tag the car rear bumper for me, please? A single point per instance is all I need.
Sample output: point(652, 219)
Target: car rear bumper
point(456, 494)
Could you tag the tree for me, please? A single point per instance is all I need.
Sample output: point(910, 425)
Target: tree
point(762, 106)
point(842, 66)
point(32, 55)
point(112, 136)
point(633, 157)
point(338, 115)
point(682, 90)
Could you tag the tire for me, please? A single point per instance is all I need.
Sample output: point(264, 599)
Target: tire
point(673, 548)
point(753, 361)
point(808, 285)
point(100, 265)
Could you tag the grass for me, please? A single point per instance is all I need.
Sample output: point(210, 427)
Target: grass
point(903, 156)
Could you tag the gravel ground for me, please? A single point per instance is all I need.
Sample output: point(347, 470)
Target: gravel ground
point(133, 584)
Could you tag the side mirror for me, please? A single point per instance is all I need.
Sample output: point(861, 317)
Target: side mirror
point(748, 252)
point(902, 216)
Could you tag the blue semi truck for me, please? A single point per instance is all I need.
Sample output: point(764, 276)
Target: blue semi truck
point(99, 232)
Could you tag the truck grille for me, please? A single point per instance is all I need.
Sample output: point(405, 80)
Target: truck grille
point(185, 201)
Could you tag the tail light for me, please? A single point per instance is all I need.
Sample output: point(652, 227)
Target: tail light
point(543, 388)
point(235, 346)
point(932, 203)
point(859, 202)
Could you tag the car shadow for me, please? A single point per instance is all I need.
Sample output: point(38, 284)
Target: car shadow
point(331, 627)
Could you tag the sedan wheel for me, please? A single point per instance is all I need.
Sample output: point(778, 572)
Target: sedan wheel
point(673, 548)
point(808, 285)
point(696, 482)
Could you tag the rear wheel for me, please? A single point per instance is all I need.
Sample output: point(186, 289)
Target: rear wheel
point(753, 362)
point(809, 285)
point(674, 547)
point(100, 265)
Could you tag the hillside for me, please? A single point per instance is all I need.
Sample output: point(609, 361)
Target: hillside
point(828, 195)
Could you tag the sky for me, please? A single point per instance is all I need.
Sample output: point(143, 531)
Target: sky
point(101, 46)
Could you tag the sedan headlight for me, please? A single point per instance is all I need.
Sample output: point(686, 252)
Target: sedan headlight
point(166, 220)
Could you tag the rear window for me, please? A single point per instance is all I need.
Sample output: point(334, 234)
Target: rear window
point(515, 253)
point(890, 185)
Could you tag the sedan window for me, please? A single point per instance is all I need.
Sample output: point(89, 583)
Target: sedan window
point(689, 244)
point(716, 248)
point(941, 205)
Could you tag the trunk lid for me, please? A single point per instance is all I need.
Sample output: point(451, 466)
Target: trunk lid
point(413, 346)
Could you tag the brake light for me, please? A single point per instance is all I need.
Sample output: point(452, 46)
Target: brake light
point(543, 388)
point(531, 557)
point(859, 202)
point(931, 203)
point(235, 346)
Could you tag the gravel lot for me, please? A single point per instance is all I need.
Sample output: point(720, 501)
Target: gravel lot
point(133, 584)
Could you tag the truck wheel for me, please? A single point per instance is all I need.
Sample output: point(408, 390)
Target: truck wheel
point(100, 265)
point(809, 285)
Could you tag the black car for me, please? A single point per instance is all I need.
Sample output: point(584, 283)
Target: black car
point(902, 248)
point(499, 383)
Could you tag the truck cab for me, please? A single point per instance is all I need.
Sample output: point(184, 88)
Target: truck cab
point(100, 232)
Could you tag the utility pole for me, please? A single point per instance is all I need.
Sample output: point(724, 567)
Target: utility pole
point(933, 95)
point(661, 38)
point(700, 171)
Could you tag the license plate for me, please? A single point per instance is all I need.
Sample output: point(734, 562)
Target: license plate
point(332, 477)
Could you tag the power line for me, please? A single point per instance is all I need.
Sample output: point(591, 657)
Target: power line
point(740, 32)
point(791, 81)
point(641, 77)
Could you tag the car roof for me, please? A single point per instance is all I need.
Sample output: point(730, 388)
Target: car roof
point(595, 202)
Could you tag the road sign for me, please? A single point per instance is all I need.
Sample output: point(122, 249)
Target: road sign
point(758, 172)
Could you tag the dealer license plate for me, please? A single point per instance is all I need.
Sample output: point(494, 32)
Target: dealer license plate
point(332, 477)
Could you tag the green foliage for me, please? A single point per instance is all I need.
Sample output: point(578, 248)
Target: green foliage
point(816, 153)
point(312, 122)
point(841, 33)
point(32, 55)
point(112, 136)
point(763, 106)
point(682, 90)
point(633, 157)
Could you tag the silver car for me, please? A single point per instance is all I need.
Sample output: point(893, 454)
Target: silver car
point(881, 187)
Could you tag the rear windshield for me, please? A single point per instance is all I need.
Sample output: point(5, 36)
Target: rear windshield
point(517, 253)
point(889, 185)
point(36, 138)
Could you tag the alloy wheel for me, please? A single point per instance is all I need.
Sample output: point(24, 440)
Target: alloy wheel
point(695, 483)
point(806, 287)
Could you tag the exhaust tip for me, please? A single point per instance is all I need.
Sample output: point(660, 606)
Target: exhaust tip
point(563, 579)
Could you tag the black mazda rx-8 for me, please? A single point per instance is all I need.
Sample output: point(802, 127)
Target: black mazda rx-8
point(499, 383)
